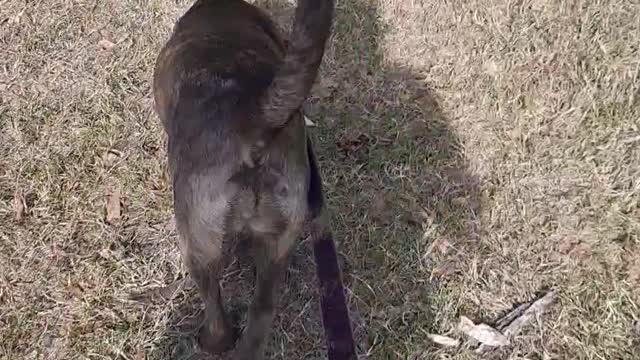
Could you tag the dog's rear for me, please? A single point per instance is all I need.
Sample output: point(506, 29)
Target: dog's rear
point(228, 94)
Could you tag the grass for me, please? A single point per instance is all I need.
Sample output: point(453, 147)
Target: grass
point(475, 154)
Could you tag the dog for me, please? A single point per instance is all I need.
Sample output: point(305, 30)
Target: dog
point(229, 92)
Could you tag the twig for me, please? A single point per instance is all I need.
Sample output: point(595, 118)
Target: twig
point(511, 324)
point(162, 293)
point(512, 315)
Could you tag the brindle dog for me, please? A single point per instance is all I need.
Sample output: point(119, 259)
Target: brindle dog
point(229, 93)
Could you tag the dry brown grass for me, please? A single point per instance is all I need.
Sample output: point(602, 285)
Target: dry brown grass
point(475, 153)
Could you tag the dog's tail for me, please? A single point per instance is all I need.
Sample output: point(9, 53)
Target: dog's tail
point(335, 313)
point(293, 81)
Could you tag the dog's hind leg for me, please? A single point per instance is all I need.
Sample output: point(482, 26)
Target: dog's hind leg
point(271, 256)
point(201, 245)
point(216, 334)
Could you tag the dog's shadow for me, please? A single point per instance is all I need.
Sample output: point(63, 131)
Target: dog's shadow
point(396, 182)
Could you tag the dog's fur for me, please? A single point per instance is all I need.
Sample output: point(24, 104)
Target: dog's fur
point(229, 94)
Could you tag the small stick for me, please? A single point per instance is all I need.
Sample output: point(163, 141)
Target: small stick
point(161, 293)
point(527, 314)
point(512, 315)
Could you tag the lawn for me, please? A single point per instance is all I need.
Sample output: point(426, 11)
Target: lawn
point(475, 154)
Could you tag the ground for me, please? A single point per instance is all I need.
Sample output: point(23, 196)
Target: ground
point(475, 154)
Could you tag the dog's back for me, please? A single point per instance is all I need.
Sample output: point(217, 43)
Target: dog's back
point(222, 55)
point(225, 67)
point(228, 94)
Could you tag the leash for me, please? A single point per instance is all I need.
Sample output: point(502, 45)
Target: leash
point(335, 314)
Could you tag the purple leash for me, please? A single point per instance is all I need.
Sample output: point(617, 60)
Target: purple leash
point(335, 314)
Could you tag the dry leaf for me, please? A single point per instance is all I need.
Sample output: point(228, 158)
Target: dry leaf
point(308, 122)
point(634, 273)
point(18, 17)
point(106, 44)
point(352, 142)
point(162, 294)
point(113, 206)
point(18, 206)
point(379, 206)
point(444, 270)
point(482, 333)
point(110, 157)
point(459, 201)
point(75, 290)
point(139, 355)
point(326, 87)
point(443, 340)
point(442, 245)
point(106, 254)
point(171, 225)
point(465, 324)
point(488, 335)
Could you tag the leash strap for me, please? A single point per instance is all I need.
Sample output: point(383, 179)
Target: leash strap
point(335, 314)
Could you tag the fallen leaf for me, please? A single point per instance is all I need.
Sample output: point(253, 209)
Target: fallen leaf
point(459, 201)
point(113, 206)
point(482, 333)
point(352, 142)
point(18, 17)
point(171, 225)
point(325, 88)
point(634, 273)
point(110, 157)
point(488, 335)
point(416, 129)
point(139, 355)
point(75, 290)
point(443, 271)
point(415, 214)
point(160, 294)
point(567, 244)
point(379, 206)
point(491, 68)
point(106, 254)
point(443, 340)
point(465, 325)
point(106, 44)
point(308, 122)
point(442, 245)
point(582, 252)
point(18, 206)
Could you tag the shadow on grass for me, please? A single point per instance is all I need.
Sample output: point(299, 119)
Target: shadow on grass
point(397, 186)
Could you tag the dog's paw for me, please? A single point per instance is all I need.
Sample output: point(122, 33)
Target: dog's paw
point(245, 351)
point(243, 355)
point(216, 344)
